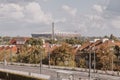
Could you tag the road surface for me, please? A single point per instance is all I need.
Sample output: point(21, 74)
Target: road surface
point(63, 74)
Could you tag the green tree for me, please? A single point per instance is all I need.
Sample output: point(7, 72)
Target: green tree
point(106, 56)
point(31, 52)
point(112, 37)
point(33, 41)
point(63, 55)
point(73, 41)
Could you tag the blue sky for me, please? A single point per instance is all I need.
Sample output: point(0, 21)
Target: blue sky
point(86, 17)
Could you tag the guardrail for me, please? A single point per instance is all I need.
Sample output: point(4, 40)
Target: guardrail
point(35, 75)
point(113, 73)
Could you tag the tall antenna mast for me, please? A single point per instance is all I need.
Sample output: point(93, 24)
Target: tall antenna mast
point(52, 32)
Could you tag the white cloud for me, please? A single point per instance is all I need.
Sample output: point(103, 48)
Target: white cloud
point(30, 12)
point(34, 13)
point(69, 10)
point(99, 8)
point(60, 20)
point(13, 11)
point(45, 0)
point(116, 22)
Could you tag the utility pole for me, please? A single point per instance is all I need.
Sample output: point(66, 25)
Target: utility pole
point(40, 63)
point(49, 59)
point(111, 49)
point(112, 64)
point(89, 66)
point(11, 54)
point(94, 62)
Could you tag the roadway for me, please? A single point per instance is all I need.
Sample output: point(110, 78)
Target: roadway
point(53, 72)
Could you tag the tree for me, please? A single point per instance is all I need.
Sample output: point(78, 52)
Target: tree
point(51, 41)
point(33, 41)
point(30, 54)
point(63, 55)
point(112, 37)
point(31, 51)
point(106, 36)
point(117, 53)
point(106, 57)
point(73, 41)
point(80, 59)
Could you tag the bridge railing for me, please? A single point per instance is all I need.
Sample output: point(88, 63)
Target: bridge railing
point(35, 75)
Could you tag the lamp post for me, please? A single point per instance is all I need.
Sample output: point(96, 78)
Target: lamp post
point(49, 55)
point(11, 54)
point(94, 58)
point(89, 66)
point(40, 63)
point(5, 62)
point(94, 62)
point(111, 49)
point(49, 59)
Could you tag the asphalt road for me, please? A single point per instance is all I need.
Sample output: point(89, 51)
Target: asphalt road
point(53, 72)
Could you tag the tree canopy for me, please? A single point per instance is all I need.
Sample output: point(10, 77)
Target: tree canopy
point(33, 41)
point(63, 55)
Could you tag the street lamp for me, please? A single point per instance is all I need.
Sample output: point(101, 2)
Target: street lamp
point(49, 54)
point(40, 63)
point(89, 66)
point(94, 58)
point(5, 62)
point(111, 49)
point(11, 54)
point(49, 59)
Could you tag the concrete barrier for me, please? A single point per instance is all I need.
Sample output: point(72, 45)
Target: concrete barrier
point(35, 75)
point(67, 68)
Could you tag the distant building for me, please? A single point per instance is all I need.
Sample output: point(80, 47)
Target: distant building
point(18, 40)
point(57, 35)
point(43, 35)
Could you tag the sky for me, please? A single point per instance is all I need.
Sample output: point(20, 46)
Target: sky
point(85, 17)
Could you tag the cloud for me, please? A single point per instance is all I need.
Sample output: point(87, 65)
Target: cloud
point(114, 5)
point(16, 1)
point(45, 0)
point(60, 20)
point(99, 8)
point(116, 22)
point(34, 13)
point(11, 11)
point(30, 12)
point(69, 10)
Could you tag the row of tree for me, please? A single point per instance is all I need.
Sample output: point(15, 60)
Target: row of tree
point(105, 59)
point(66, 55)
